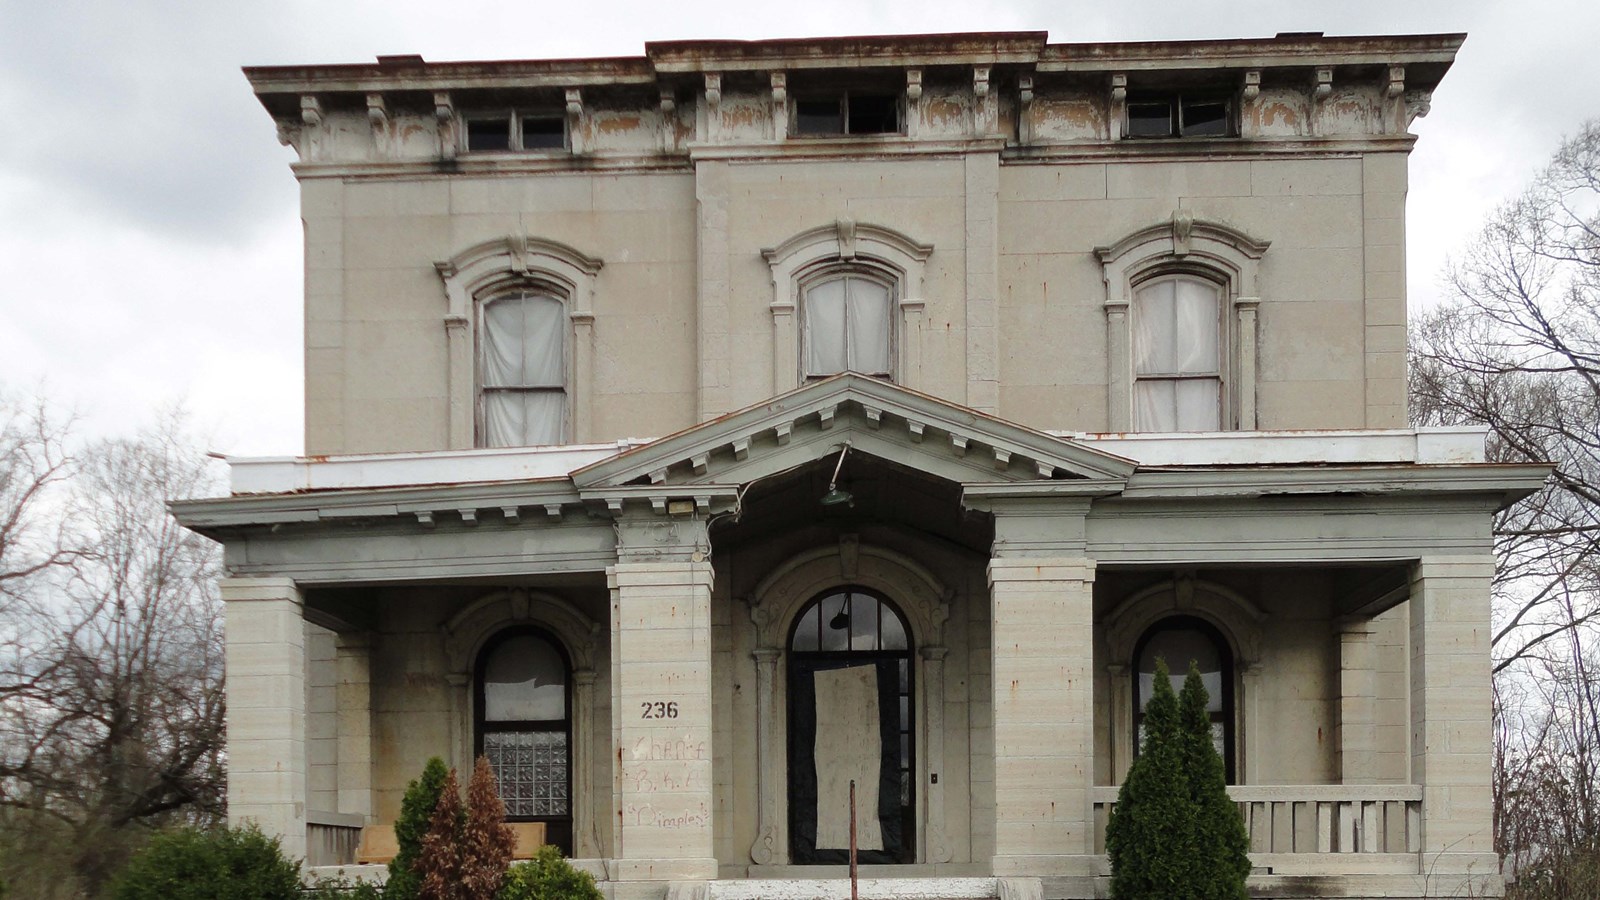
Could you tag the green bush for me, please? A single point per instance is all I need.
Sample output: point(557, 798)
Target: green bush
point(416, 807)
point(1174, 833)
point(224, 864)
point(1223, 863)
point(1151, 836)
point(548, 877)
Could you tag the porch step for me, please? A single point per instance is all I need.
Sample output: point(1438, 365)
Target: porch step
point(867, 889)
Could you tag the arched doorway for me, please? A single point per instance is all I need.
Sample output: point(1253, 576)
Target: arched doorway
point(850, 715)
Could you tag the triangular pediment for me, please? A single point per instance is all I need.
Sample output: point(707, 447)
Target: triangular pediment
point(874, 417)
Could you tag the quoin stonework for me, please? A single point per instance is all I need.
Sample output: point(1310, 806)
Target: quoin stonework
point(696, 433)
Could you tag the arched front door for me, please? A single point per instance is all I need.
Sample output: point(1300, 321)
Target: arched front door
point(850, 718)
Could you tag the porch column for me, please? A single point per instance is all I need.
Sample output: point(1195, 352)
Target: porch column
point(1450, 712)
point(661, 699)
point(353, 662)
point(1043, 713)
point(266, 672)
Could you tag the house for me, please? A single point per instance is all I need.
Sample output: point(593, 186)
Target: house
point(701, 433)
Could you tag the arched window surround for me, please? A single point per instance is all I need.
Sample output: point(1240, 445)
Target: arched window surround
point(1235, 618)
point(842, 246)
point(578, 636)
point(498, 267)
point(776, 604)
point(1196, 247)
point(483, 726)
point(1178, 667)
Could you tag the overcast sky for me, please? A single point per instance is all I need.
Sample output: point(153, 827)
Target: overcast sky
point(149, 236)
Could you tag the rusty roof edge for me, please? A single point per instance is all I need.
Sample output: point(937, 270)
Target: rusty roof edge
point(667, 58)
point(711, 55)
point(441, 75)
point(1399, 48)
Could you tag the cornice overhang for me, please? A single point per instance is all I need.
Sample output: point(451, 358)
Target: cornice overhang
point(219, 517)
point(930, 427)
point(1426, 56)
point(1498, 484)
point(988, 47)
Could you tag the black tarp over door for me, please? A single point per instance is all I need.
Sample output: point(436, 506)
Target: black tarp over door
point(802, 735)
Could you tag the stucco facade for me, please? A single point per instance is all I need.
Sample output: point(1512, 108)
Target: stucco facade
point(1022, 530)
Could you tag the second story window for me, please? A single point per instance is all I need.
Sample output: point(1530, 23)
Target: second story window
point(847, 112)
point(522, 369)
point(1177, 354)
point(514, 130)
point(848, 325)
point(1160, 115)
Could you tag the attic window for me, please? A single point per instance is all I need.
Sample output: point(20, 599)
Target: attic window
point(516, 131)
point(847, 113)
point(1179, 115)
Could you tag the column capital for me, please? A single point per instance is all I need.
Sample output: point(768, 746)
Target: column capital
point(766, 656)
point(646, 538)
point(583, 677)
point(933, 653)
point(1007, 569)
point(244, 588)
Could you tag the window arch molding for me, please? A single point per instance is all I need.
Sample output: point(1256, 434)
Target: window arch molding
point(776, 604)
point(841, 246)
point(474, 627)
point(1185, 246)
point(498, 267)
point(1237, 620)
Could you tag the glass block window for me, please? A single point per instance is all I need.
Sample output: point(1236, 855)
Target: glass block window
point(531, 769)
point(524, 726)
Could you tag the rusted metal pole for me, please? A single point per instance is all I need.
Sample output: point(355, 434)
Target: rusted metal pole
point(853, 839)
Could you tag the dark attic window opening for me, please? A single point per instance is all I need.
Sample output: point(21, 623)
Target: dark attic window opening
point(847, 113)
point(489, 134)
point(543, 133)
point(515, 130)
point(1179, 115)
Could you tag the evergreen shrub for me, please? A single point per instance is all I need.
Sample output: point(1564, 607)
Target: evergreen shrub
point(222, 864)
point(548, 877)
point(416, 807)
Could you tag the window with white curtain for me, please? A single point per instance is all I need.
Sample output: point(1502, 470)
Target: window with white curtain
point(523, 369)
point(848, 325)
point(1177, 354)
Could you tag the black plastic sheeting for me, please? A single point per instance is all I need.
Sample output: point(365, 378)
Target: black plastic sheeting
point(803, 767)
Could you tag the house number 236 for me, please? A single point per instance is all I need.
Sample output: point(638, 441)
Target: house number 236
point(655, 709)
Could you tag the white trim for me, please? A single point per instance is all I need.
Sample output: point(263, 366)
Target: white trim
point(1454, 445)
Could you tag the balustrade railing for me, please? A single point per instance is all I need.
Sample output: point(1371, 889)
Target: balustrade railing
point(1300, 828)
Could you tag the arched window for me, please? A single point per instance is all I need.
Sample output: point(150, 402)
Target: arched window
point(523, 705)
point(849, 323)
point(523, 369)
point(847, 296)
point(1181, 640)
point(1181, 310)
point(1177, 354)
point(850, 719)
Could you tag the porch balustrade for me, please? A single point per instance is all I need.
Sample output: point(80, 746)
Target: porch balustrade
point(1372, 828)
